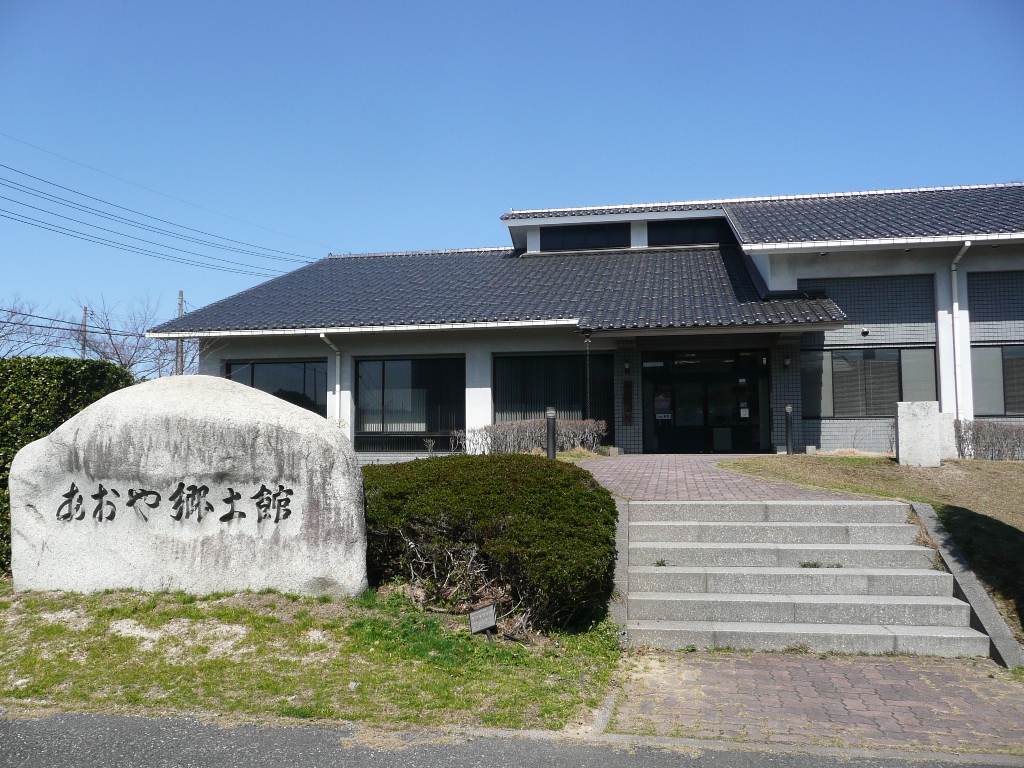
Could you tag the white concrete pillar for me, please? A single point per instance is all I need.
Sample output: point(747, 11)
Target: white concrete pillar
point(478, 388)
point(638, 234)
point(533, 239)
point(944, 343)
point(964, 348)
point(333, 386)
point(764, 265)
point(347, 389)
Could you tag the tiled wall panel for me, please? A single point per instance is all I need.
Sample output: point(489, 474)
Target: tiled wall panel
point(895, 310)
point(785, 390)
point(871, 435)
point(629, 437)
point(996, 304)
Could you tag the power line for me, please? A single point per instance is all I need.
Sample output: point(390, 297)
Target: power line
point(146, 215)
point(25, 189)
point(133, 237)
point(122, 246)
point(77, 325)
point(90, 328)
point(158, 192)
point(72, 326)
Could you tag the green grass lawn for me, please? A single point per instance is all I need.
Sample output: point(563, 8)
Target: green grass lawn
point(379, 660)
point(979, 502)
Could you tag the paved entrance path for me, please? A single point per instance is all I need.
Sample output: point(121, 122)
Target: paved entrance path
point(799, 699)
point(843, 701)
point(662, 477)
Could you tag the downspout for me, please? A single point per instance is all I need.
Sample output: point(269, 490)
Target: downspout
point(337, 375)
point(956, 326)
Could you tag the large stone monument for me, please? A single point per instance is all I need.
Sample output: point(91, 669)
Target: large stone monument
point(919, 434)
point(193, 483)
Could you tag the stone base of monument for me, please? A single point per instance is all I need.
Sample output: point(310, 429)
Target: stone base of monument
point(190, 483)
point(924, 437)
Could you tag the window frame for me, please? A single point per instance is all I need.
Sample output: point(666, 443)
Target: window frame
point(249, 362)
point(1001, 346)
point(607, 359)
point(666, 233)
point(623, 229)
point(899, 375)
point(356, 361)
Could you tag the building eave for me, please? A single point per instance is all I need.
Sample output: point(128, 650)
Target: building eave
point(330, 330)
point(737, 328)
point(640, 209)
point(881, 243)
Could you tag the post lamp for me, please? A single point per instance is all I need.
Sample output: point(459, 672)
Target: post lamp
point(551, 413)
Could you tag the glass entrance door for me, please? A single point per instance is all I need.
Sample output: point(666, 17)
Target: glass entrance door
point(708, 401)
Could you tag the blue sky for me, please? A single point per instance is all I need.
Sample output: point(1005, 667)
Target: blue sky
point(390, 126)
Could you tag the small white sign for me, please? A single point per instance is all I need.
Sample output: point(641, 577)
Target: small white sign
point(744, 413)
point(663, 416)
point(482, 619)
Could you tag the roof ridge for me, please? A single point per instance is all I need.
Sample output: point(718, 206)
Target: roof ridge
point(768, 198)
point(428, 252)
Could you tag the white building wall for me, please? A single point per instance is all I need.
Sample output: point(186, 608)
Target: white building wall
point(782, 271)
point(478, 346)
point(944, 343)
point(963, 354)
point(479, 405)
point(638, 234)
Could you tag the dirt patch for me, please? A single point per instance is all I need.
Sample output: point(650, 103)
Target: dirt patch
point(71, 619)
point(218, 639)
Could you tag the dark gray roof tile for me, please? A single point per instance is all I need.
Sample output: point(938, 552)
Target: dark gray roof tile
point(610, 290)
point(932, 212)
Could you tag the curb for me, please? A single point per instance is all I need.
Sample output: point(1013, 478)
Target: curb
point(985, 617)
point(965, 757)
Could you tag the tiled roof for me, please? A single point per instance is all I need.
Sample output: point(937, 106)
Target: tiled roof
point(609, 290)
point(888, 214)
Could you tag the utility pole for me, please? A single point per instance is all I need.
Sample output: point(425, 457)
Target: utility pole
point(179, 344)
point(85, 318)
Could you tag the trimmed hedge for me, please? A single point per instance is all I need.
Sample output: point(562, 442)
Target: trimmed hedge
point(37, 395)
point(544, 530)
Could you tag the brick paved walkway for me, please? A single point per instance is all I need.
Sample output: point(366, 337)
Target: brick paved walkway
point(856, 701)
point(689, 478)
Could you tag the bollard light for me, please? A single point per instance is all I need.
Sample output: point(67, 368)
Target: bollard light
point(551, 413)
point(789, 430)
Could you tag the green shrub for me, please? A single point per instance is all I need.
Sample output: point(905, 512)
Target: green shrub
point(5, 531)
point(544, 531)
point(37, 395)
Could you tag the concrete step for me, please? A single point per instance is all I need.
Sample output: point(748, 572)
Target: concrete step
point(840, 638)
point(790, 581)
point(770, 511)
point(775, 533)
point(800, 609)
point(701, 554)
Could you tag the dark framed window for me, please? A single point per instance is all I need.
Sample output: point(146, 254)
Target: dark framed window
point(402, 403)
point(858, 383)
point(689, 232)
point(300, 382)
point(997, 376)
point(585, 237)
point(526, 385)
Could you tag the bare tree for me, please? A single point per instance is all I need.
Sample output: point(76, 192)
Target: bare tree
point(28, 329)
point(117, 332)
point(112, 331)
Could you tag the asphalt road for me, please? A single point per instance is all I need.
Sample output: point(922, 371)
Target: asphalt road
point(85, 741)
